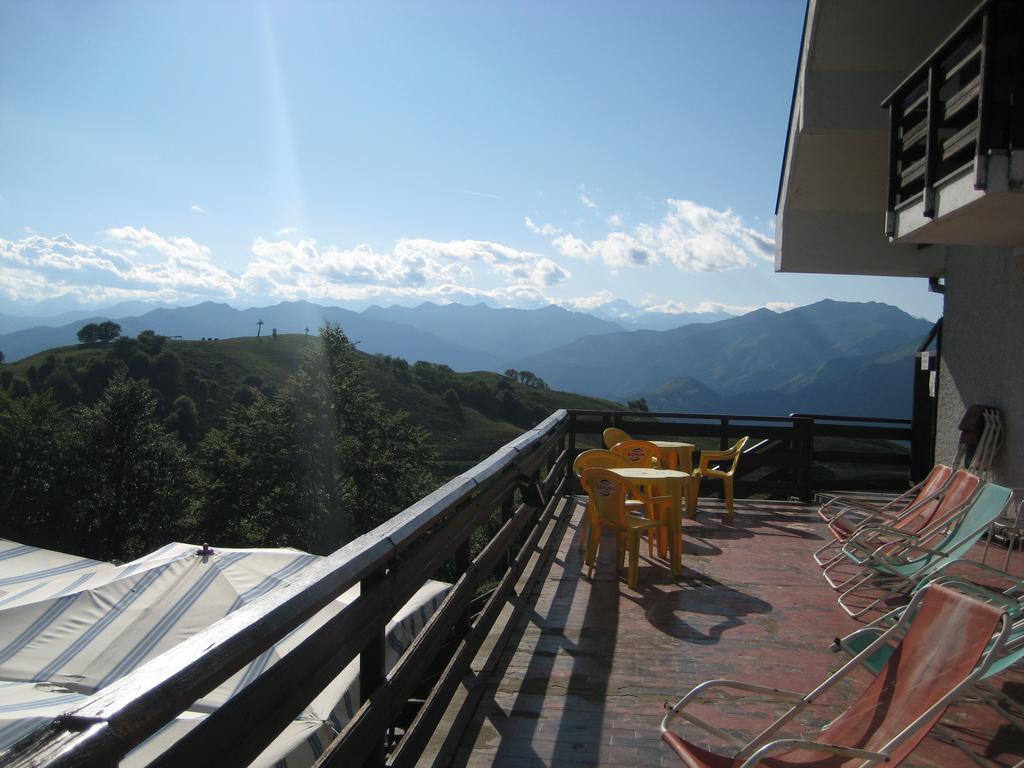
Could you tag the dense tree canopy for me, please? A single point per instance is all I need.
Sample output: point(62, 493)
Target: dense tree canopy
point(126, 469)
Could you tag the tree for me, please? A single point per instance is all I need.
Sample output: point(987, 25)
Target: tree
point(151, 342)
point(183, 420)
point(108, 330)
point(132, 486)
point(316, 465)
point(511, 373)
point(2, 358)
point(88, 333)
point(103, 332)
point(638, 405)
point(34, 434)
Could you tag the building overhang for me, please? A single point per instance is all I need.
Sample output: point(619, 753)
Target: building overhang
point(832, 194)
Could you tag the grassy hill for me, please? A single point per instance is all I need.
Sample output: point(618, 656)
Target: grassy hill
point(486, 411)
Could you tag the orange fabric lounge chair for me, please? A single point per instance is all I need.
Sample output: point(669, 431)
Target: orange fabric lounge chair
point(943, 651)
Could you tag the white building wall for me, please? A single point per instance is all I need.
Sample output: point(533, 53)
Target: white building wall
point(983, 350)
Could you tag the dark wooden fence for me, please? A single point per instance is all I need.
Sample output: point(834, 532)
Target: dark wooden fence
point(520, 485)
point(796, 455)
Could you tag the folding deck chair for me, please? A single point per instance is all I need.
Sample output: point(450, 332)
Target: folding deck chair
point(921, 521)
point(1010, 599)
point(906, 559)
point(943, 651)
point(855, 509)
point(917, 509)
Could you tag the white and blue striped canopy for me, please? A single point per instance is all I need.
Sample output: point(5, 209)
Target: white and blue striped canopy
point(71, 626)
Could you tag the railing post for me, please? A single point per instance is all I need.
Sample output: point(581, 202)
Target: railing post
point(373, 668)
point(894, 185)
point(922, 425)
point(931, 146)
point(571, 453)
point(723, 435)
point(508, 509)
point(981, 137)
point(804, 428)
point(462, 561)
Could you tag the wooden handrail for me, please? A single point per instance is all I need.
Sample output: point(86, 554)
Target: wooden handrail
point(107, 725)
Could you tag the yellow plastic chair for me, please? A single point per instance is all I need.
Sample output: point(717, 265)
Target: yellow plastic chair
point(639, 453)
point(607, 492)
point(614, 435)
point(731, 455)
point(644, 454)
point(603, 459)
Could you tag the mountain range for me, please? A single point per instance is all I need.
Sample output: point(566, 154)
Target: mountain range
point(843, 358)
point(834, 357)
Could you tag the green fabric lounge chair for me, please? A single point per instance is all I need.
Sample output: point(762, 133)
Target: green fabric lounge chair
point(907, 559)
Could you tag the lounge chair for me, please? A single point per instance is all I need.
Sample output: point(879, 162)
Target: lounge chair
point(907, 559)
point(1010, 599)
point(854, 509)
point(943, 652)
point(921, 520)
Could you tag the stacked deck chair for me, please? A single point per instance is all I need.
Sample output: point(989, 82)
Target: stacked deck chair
point(937, 657)
point(919, 523)
point(912, 511)
point(1010, 599)
point(899, 564)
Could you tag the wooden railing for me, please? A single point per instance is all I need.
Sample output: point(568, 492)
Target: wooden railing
point(522, 483)
point(515, 491)
point(955, 108)
point(796, 456)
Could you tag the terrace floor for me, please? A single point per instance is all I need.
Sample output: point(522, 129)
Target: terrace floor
point(581, 673)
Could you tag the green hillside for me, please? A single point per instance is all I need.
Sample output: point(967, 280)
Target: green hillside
point(485, 411)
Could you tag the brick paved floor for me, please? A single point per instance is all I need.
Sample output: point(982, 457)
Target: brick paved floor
point(583, 675)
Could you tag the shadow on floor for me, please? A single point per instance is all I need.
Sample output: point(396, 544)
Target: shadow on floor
point(684, 614)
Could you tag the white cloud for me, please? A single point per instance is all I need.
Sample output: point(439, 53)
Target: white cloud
point(37, 267)
point(693, 237)
point(615, 220)
point(197, 208)
point(617, 249)
point(547, 229)
point(697, 238)
point(286, 231)
point(414, 267)
point(587, 303)
point(677, 307)
point(588, 202)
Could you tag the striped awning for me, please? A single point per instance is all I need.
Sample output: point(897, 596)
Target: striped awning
point(71, 626)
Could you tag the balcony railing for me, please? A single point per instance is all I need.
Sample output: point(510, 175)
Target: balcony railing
point(515, 490)
point(957, 108)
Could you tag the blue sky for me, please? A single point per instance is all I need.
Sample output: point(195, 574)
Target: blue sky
point(519, 153)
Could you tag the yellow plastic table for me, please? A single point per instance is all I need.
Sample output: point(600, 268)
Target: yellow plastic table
point(673, 455)
point(674, 481)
